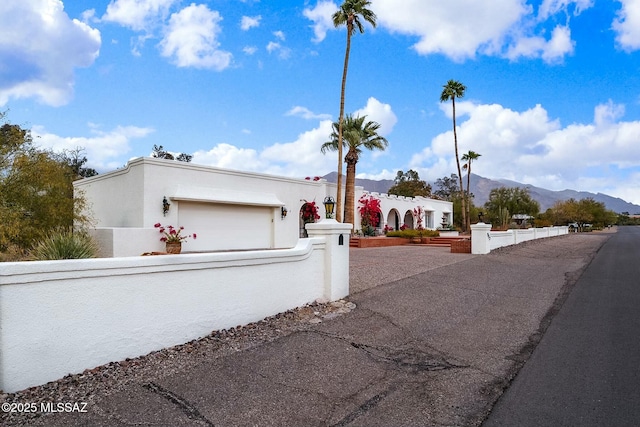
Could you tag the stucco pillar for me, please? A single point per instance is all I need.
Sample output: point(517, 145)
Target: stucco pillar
point(336, 258)
point(480, 238)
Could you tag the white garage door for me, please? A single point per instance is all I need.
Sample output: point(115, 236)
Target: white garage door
point(226, 226)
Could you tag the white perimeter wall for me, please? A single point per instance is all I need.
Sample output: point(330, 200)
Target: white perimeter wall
point(483, 240)
point(61, 317)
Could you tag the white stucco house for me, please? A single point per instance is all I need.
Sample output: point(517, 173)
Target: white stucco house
point(227, 209)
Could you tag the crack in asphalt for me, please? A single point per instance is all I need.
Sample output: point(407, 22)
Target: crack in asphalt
point(408, 359)
point(185, 406)
point(365, 407)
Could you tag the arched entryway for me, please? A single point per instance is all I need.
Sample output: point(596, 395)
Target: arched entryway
point(393, 219)
point(408, 219)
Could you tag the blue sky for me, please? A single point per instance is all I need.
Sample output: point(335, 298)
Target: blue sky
point(553, 86)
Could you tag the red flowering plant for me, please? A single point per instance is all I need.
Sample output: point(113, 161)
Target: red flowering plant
point(310, 212)
point(370, 211)
point(170, 234)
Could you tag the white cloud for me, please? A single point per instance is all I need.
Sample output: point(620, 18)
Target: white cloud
point(627, 25)
point(299, 158)
point(191, 39)
point(248, 22)
point(40, 47)
point(138, 15)
point(549, 8)
point(381, 113)
point(532, 148)
point(275, 47)
point(249, 50)
point(461, 29)
point(321, 16)
point(279, 35)
point(607, 113)
point(457, 28)
point(305, 113)
point(552, 50)
point(230, 157)
point(104, 149)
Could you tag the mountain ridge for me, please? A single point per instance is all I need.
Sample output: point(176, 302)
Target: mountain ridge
point(481, 187)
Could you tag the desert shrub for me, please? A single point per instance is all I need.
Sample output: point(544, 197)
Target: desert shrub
point(65, 244)
point(409, 233)
point(13, 253)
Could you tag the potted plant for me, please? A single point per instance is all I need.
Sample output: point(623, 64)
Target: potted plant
point(172, 237)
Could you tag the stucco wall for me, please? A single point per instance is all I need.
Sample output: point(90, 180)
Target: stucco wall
point(60, 317)
point(484, 240)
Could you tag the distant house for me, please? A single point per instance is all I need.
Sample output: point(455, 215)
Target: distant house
point(522, 219)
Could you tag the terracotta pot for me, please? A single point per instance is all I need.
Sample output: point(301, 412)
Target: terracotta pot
point(174, 247)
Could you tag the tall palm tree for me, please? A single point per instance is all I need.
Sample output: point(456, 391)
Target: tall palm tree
point(357, 133)
point(351, 14)
point(468, 158)
point(452, 90)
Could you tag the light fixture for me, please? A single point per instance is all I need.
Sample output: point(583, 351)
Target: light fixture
point(165, 206)
point(283, 212)
point(329, 204)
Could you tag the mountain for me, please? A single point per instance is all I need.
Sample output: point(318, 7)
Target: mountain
point(481, 187)
point(371, 185)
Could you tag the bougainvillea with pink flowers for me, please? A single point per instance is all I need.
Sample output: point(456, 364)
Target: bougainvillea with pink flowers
point(310, 212)
point(369, 209)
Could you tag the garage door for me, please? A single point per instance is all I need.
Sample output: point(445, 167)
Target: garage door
point(226, 226)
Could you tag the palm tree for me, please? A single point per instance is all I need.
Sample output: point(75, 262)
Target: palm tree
point(452, 90)
point(349, 14)
point(468, 158)
point(357, 134)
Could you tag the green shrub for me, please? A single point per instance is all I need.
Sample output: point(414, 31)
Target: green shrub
point(65, 245)
point(409, 233)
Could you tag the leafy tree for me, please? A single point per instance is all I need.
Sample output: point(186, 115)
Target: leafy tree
point(452, 90)
point(160, 153)
point(468, 158)
point(410, 185)
point(357, 134)
point(505, 202)
point(581, 212)
point(447, 188)
point(351, 14)
point(182, 157)
point(76, 161)
point(36, 191)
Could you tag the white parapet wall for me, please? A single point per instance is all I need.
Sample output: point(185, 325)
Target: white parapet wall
point(484, 240)
point(61, 317)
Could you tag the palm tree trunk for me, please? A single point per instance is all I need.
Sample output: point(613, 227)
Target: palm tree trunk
point(350, 188)
point(455, 141)
point(339, 201)
point(468, 223)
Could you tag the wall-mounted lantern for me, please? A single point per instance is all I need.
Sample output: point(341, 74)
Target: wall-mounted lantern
point(283, 212)
point(165, 206)
point(329, 204)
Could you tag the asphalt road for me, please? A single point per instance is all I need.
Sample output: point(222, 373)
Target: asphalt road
point(586, 369)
